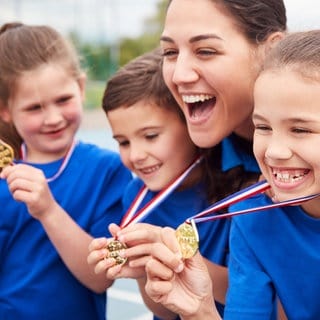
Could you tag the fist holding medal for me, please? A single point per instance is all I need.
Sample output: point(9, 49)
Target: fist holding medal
point(6, 154)
point(188, 239)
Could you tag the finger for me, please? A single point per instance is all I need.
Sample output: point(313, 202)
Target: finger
point(114, 229)
point(156, 270)
point(139, 233)
point(168, 237)
point(103, 265)
point(98, 243)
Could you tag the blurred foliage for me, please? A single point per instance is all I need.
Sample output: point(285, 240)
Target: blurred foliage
point(100, 61)
point(94, 94)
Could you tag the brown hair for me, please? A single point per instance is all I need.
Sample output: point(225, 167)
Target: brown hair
point(24, 48)
point(299, 52)
point(140, 79)
point(257, 19)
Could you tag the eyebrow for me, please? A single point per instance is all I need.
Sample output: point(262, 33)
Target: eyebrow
point(289, 120)
point(195, 38)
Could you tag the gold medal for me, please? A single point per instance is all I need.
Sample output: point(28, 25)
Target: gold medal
point(114, 248)
point(187, 236)
point(6, 154)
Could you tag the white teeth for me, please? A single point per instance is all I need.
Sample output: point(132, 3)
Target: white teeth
point(196, 98)
point(291, 176)
point(149, 170)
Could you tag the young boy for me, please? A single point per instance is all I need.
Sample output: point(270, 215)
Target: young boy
point(154, 143)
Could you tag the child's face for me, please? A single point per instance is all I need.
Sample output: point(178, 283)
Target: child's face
point(153, 142)
point(46, 110)
point(287, 133)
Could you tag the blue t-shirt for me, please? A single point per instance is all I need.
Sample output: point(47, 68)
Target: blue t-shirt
point(273, 253)
point(180, 205)
point(34, 282)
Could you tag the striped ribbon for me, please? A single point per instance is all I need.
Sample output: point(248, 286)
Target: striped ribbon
point(241, 195)
point(64, 163)
point(133, 216)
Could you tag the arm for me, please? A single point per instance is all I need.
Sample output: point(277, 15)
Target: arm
point(219, 277)
point(28, 184)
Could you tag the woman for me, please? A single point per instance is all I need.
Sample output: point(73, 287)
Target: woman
point(213, 51)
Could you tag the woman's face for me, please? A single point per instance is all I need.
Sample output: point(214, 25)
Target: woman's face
point(210, 67)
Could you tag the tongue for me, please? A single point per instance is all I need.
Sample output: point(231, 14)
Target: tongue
point(201, 109)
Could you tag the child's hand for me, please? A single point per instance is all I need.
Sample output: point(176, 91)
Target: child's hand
point(29, 185)
point(98, 254)
point(139, 239)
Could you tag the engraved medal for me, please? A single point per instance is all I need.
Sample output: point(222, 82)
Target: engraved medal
point(187, 236)
point(114, 248)
point(6, 154)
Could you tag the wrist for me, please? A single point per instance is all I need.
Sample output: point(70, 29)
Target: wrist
point(206, 310)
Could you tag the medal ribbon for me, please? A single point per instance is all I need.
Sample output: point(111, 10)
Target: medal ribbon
point(132, 216)
point(241, 195)
point(64, 164)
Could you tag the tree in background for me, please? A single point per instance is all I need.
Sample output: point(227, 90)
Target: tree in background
point(101, 60)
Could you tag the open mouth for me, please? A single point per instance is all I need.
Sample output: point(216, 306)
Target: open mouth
point(199, 106)
point(289, 176)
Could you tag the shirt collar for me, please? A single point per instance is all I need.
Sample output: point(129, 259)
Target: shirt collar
point(234, 154)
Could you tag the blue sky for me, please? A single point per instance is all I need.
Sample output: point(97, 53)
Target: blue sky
point(111, 19)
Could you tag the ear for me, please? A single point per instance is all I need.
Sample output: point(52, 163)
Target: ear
point(82, 85)
point(273, 40)
point(5, 114)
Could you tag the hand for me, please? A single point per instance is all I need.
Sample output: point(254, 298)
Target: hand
point(29, 185)
point(97, 256)
point(139, 239)
point(184, 288)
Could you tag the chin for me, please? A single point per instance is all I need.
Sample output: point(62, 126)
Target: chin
point(203, 140)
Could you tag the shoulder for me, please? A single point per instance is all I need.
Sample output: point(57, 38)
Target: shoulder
point(255, 219)
point(93, 154)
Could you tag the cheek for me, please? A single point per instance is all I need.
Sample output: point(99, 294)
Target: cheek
point(124, 155)
point(258, 148)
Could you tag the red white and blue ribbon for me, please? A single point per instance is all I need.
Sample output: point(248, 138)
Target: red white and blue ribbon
point(250, 191)
point(133, 216)
point(64, 163)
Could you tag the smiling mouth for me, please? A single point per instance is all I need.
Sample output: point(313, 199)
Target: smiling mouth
point(199, 106)
point(289, 176)
point(149, 169)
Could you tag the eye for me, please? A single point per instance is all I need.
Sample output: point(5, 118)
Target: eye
point(64, 99)
point(300, 130)
point(123, 143)
point(34, 107)
point(262, 128)
point(151, 136)
point(206, 52)
point(170, 53)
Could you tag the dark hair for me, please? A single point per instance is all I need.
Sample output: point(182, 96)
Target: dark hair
point(257, 19)
point(299, 52)
point(140, 79)
point(24, 48)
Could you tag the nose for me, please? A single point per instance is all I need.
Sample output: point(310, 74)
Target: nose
point(137, 153)
point(51, 115)
point(184, 70)
point(278, 148)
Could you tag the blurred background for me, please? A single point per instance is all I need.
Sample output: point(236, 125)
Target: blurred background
point(107, 34)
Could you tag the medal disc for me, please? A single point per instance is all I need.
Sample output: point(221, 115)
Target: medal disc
point(188, 240)
point(114, 248)
point(6, 154)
